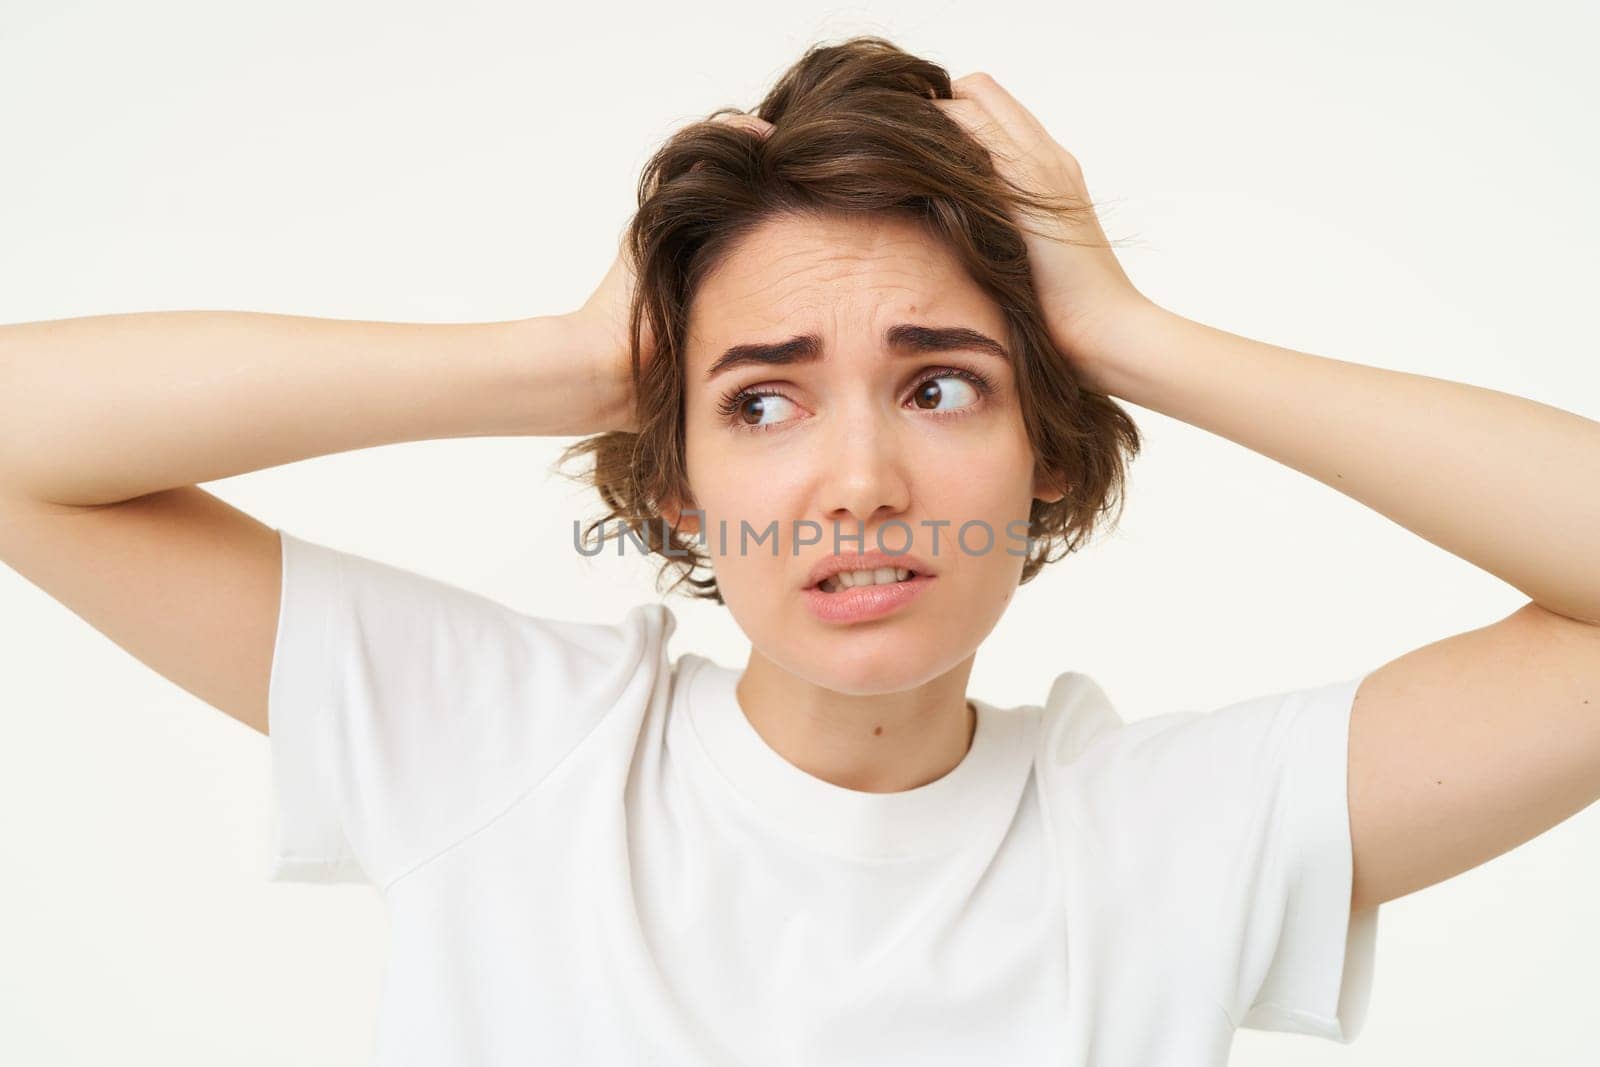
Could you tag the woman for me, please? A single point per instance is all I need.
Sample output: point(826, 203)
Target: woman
point(884, 310)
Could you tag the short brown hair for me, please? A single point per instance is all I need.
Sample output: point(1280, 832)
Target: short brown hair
point(855, 135)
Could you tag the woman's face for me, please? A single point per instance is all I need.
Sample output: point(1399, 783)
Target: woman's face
point(868, 431)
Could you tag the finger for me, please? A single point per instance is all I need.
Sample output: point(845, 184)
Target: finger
point(1006, 109)
point(977, 121)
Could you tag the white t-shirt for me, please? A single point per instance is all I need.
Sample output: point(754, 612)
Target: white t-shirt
point(589, 856)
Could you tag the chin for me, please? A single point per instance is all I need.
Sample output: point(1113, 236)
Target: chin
point(858, 663)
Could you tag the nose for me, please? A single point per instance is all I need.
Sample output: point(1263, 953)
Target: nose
point(862, 476)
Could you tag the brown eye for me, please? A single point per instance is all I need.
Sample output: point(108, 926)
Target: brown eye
point(754, 411)
point(750, 411)
point(930, 395)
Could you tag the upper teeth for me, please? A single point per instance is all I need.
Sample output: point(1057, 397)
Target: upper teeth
point(877, 576)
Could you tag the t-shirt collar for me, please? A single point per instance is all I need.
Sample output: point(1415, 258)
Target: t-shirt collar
point(933, 818)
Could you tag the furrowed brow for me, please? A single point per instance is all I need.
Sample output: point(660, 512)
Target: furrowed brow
point(906, 338)
point(911, 338)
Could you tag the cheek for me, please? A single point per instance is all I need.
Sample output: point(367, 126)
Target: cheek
point(986, 478)
point(733, 489)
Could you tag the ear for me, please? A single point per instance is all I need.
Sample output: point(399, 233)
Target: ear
point(1046, 487)
point(671, 512)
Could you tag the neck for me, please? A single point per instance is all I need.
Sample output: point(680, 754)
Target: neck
point(872, 743)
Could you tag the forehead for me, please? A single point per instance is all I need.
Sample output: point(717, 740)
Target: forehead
point(822, 273)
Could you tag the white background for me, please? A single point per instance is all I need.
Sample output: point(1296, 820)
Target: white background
point(1406, 185)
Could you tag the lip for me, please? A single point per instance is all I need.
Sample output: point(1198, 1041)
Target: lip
point(828, 566)
point(861, 603)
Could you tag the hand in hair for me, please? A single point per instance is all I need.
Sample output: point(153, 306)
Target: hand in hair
point(602, 322)
point(1080, 284)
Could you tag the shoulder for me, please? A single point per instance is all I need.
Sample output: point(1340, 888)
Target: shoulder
point(1076, 713)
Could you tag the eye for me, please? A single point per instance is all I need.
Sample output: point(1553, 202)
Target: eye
point(931, 393)
point(947, 391)
point(749, 409)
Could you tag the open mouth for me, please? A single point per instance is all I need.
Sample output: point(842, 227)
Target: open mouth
point(858, 579)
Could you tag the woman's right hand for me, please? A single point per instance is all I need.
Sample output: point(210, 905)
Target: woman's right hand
point(602, 321)
point(601, 325)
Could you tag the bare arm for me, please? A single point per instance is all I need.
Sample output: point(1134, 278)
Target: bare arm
point(107, 422)
point(1466, 747)
point(103, 409)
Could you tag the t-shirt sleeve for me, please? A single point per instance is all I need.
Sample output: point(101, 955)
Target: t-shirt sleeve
point(1239, 818)
point(404, 712)
point(1273, 802)
point(1306, 961)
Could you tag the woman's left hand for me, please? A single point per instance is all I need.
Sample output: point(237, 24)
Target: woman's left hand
point(1081, 285)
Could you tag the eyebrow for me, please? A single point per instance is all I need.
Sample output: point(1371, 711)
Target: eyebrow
point(905, 338)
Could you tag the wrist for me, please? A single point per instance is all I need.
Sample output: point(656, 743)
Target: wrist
point(1109, 349)
point(600, 359)
point(563, 386)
